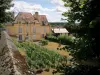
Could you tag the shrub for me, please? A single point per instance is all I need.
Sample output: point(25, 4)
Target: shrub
point(2, 26)
point(63, 39)
point(57, 48)
point(44, 42)
point(81, 70)
point(52, 38)
point(49, 34)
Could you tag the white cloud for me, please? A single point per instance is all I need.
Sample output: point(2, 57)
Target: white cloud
point(60, 9)
point(59, 6)
point(56, 18)
point(58, 2)
point(46, 9)
point(53, 14)
point(28, 7)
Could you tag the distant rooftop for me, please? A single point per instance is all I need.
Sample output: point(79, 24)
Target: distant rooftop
point(57, 22)
point(60, 30)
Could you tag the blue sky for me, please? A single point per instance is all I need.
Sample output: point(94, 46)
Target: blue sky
point(44, 3)
point(53, 9)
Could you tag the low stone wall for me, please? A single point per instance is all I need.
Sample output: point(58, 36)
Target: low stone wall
point(11, 61)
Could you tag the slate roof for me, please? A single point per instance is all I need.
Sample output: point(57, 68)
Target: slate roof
point(43, 18)
point(24, 17)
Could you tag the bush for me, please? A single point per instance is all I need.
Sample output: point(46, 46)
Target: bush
point(52, 38)
point(57, 48)
point(44, 42)
point(81, 70)
point(63, 39)
point(81, 49)
point(2, 26)
point(49, 34)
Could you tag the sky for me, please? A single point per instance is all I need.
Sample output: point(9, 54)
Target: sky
point(53, 9)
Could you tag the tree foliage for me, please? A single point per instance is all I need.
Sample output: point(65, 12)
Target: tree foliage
point(82, 70)
point(4, 15)
point(87, 13)
point(63, 39)
point(44, 42)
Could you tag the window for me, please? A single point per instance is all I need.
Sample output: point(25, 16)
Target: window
point(34, 29)
point(44, 29)
point(43, 23)
point(20, 30)
point(26, 37)
point(27, 28)
point(20, 37)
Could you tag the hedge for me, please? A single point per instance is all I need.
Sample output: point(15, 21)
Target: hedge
point(63, 39)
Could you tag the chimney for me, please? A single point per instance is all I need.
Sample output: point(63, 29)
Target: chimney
point(36, 15)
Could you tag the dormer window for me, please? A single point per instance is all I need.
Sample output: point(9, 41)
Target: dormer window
point(35, 18)
point(34, 23)
point(43, 23)
point(26, 37)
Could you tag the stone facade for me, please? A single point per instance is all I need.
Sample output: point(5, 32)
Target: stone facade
point(29, 27)
point(11, 61)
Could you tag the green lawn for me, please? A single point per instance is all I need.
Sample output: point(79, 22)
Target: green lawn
point(54, 46)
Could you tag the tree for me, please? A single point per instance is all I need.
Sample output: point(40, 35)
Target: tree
point(87, 13)
point(5, 16)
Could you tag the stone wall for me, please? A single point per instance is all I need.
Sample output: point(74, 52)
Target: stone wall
point(11, 61)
